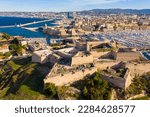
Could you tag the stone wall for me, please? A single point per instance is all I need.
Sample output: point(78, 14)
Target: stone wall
point(92, 44)
point(105, 65)
point(117, 81)
point(138, 69)
point(53, 58)
point(81, 46)
point(96, 54)
point(69, 77)
point(128, 78)
point(127, 56)
point(123, 83)
point(38, 59)
point(82, 60)
point(64, 55)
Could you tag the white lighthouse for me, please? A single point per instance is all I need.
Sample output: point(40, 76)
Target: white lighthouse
point(46, 26)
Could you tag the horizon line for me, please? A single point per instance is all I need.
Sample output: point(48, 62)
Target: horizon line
point(84, 10)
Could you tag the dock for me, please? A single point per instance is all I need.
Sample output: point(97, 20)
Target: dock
point(23, 25)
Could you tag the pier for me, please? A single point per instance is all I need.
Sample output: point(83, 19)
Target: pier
point(23, 25)
point(7, 26)
point(31, 29)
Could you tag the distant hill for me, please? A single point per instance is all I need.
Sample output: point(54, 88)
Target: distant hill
point(117, 11)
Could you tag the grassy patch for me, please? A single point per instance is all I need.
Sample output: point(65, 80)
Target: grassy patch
point(25, 93)
point(22, 79)
point(3, 93)
point(13, 66)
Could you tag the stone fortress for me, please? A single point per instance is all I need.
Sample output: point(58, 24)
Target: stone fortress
point(118, 64)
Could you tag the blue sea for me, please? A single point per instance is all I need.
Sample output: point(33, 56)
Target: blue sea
point(7, 21)
point(18, 31)
point(147, 55)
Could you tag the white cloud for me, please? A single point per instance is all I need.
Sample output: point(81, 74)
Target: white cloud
point(76, 5)
point(92, 2)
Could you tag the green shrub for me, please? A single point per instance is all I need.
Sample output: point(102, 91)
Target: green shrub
point(7, 54)
point(1, 54)
point(139, 84)
point(6, 36)
point(96, 88)
point(50, 90)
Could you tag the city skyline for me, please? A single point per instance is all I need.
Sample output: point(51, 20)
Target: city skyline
point(70, 5)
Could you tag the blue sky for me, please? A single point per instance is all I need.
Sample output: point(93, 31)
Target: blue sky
point(70, 5)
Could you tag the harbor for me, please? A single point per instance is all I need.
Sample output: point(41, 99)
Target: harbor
point(129, 38)
point(29, 28)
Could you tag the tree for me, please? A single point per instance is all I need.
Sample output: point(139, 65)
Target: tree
point(50, 90)
point(96, 88)
point(17, 49)
point(85, 91)
point(139, 84)
point(6, 36)
point(12, 46)
point(15, 41)
point(7, 54)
